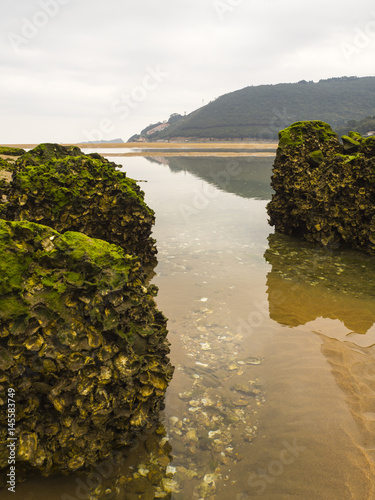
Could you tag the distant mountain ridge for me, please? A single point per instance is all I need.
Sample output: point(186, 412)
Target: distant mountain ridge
point(110, 141)
point(259, 112)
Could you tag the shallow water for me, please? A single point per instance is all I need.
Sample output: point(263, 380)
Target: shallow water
point(273, 339)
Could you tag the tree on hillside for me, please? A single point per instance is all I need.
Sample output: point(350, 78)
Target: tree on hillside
point(174, 118)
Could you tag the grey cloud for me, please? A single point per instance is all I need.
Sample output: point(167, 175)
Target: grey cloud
point(91, 52)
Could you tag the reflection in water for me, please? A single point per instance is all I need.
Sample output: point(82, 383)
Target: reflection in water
point(248, 177)
point(307, 282)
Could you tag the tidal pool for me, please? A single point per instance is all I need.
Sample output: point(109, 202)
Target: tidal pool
point(272, 340)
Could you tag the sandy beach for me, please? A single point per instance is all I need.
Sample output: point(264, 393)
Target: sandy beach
point(193, 149)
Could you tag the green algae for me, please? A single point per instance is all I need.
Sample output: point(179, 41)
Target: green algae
point(368, 146)
point(351, 144)
point(296, 134)
point(6, 165)
point(47, 151)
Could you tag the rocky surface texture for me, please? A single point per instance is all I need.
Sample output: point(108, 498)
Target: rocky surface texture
point(9, 151)
point(81, 340)
point(324, 188)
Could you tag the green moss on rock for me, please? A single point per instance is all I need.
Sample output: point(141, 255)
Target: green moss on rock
point(299, 133)
point(46, 151)
point(6, 165)
point(350, 144)
point(368, 146)
point(9, 151)
point(315, 158)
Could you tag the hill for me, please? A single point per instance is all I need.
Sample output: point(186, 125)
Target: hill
point(363, 127)
point(259, 112)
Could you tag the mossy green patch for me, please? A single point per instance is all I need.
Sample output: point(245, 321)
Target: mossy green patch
point(9, 151)
point(12, 307)
point(13, 263)
point(315, 158)
point(5, 165)
point(296, 134)
point(356, 136)
point(350, 144)
point(47, 151)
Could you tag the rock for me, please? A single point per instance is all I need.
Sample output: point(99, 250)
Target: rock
point(191, 435)
point(81, 340)
point(351, 144)
point(62, 188)
point(324, 190)
point(9, 151)
point(170, 485)
point(82, 343)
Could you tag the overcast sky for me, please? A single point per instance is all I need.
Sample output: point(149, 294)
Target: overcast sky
point(75, 70)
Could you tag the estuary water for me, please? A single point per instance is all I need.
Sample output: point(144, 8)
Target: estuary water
point(272, 339)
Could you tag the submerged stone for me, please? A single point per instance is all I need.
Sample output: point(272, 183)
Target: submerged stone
point(324, 189)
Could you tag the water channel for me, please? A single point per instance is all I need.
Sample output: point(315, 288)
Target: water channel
point(272, 339)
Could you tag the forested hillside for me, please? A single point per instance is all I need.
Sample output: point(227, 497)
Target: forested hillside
point(261, 111)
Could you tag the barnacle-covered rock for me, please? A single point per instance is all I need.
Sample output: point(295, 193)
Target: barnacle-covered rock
point(82, 344)
point(62, 188)
point(10, 151)
point(324, 189)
